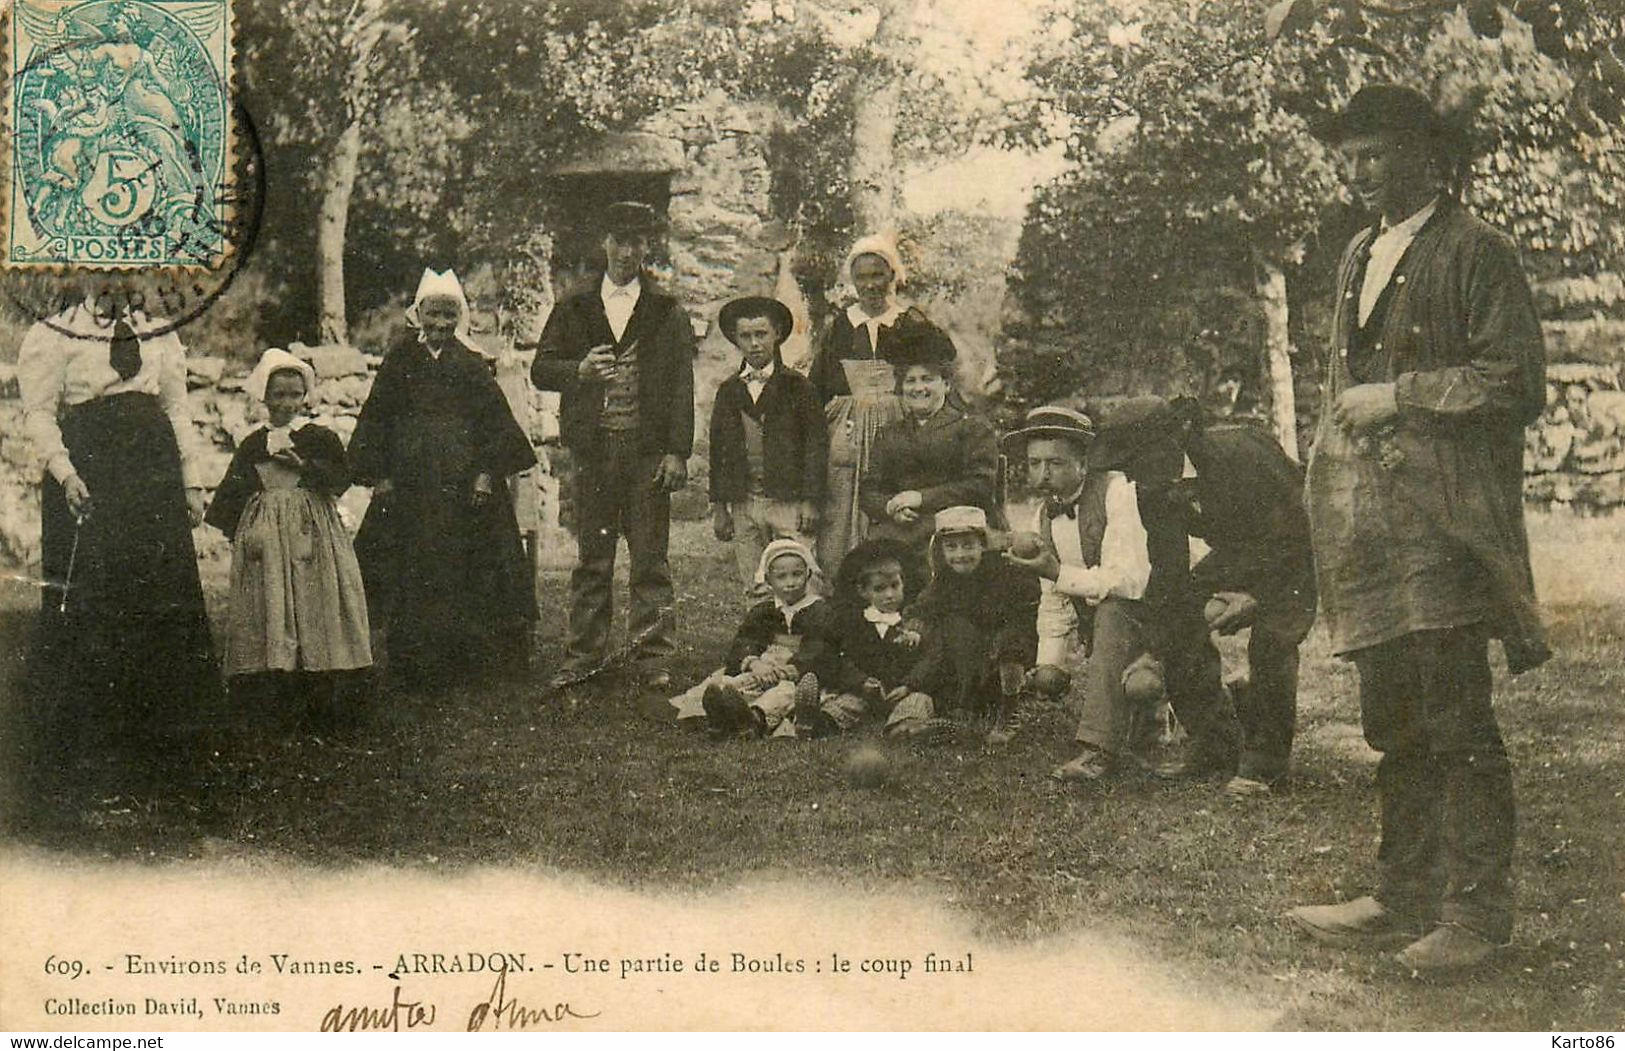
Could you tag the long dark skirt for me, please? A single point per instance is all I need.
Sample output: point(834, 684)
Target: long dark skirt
point(121, 675)
point(449, 583)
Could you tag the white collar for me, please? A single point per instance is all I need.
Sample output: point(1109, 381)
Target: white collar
point(874, 616)
point(790, 611)
point(855, 314)
point(761, 375)
point(609, 289)
point(1406, 229)
point(298, 423)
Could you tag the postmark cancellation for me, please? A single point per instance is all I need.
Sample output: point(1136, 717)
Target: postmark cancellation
point(121, 127)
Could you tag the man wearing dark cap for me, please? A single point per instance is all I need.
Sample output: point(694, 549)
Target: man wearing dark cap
point(621, 352)
point(1091, 556)
point(1436, 366)
point(1232, 485)
point(767, 439)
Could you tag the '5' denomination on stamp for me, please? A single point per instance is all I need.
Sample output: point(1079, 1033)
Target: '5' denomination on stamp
point(121, 120)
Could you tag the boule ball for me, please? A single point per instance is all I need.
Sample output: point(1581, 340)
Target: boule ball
point(1051, 681)
point(1216, 607)
point(1026, 545)
point(1142, 681)
point(867, 767)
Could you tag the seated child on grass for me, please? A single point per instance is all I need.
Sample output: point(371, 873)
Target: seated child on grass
point(978, 615)
point(872, 660)
point(777, 644)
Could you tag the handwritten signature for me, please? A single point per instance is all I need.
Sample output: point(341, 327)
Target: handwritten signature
point(503, 1013)
point(496, 1012)
point(414, 1013)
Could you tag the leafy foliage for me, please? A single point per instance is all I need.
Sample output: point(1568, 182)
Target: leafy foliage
point(1188, 129)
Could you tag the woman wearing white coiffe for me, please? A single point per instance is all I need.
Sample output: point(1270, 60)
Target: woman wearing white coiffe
point(857, 384)
point(297, 601)
point(446, 573)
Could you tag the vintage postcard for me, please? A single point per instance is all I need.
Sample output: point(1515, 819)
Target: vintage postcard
point(566, 515)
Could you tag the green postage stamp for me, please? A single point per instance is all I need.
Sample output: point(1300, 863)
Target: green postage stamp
point(121, 133)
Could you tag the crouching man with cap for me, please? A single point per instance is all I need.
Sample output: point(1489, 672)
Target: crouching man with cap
point(1415, 483)
point(1089, 549)
point(1232, 485)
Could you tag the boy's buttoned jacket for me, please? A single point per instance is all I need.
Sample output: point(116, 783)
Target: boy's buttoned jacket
point(794, 445)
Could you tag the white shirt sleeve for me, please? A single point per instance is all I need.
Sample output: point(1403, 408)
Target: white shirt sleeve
point(172, 396)
point(42, 368)
point(1125, 561)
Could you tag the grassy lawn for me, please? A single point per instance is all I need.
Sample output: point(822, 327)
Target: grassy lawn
point(610, 788)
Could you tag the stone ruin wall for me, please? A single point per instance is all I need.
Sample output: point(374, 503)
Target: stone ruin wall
point(1574, 455)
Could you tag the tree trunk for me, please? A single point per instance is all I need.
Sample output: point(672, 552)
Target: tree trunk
point(1271, 292)
point(873, 169)
point(330, 231)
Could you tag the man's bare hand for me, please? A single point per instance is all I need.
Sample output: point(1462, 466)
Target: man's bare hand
point(722, 523)
point(1365, 406)
point(1240, 610)
point(672, 473)
point(1044, 564)
point(598, 365)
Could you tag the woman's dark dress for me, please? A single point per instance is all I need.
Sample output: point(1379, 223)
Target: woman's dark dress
point(124, 667)
point(449, 582)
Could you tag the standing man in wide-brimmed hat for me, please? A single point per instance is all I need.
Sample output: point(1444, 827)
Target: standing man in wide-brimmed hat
point(767, 439)
point(1436, 367)
point(622, 353)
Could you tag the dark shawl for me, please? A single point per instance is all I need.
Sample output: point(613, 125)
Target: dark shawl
point(325, 472)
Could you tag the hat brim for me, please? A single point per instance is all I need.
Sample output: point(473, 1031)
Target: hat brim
point(1028, 434)
point(1337, 128)
point(755, 306)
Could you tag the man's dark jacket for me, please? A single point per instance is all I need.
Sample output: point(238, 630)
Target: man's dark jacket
point(1246, 503)
point(664, 347)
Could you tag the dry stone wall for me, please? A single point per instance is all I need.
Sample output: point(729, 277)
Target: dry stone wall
point(1574, 455)
point(222, 416)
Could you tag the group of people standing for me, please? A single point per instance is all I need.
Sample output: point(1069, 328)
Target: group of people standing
point(864, 504)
